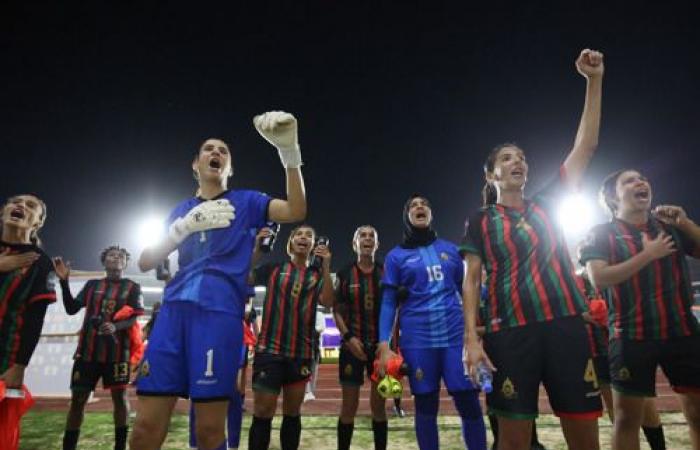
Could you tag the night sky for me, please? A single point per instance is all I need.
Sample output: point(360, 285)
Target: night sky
point(102, 107)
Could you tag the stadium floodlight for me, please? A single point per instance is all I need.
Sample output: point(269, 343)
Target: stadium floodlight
point(576, 214)
point(149, 232)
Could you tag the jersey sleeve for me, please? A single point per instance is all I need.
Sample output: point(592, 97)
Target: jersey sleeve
point(595, 246)
point(259, 205)
point(473, 241)
point(135, 299)
point(392, 271)
point(44, 286)
point(261, 274)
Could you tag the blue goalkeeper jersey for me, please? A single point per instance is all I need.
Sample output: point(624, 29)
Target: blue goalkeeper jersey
point(214, 264)
point(431, 315)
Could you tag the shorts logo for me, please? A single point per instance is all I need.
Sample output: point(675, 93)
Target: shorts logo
point(348, 370)
point(444, 256)
point(145, 368)
point(76, 375)
point(623, 374)
point(508, 390)
point(419, 374)
point(262, 374)
point(304, 371)
point(523, 224)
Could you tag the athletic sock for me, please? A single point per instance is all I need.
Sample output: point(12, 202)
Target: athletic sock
point(70, 439)
point(380, 431)
point(473, 429)
point(290, 432)
point(655, 437)
point(120, 434)
point(234, 421)
point(259, 436)
point(345, 434)
point(493, 421)
point(426, 420)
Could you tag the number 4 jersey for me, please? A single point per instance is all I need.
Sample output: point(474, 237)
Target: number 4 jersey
point(431, 315)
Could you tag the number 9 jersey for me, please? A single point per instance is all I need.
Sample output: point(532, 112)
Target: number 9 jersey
point(431, 315)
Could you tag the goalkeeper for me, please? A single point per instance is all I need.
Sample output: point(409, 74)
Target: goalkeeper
point(199, 331)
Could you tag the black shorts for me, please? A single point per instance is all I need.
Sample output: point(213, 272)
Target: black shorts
point(602, 369)
point(351, 371)
point(557, 354)
point(633, 364)
point(272, 372)
point(86, 374)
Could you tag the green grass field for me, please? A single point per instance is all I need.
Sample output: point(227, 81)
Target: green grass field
point(44, 431)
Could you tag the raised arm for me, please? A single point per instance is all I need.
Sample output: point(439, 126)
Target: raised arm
point(280, 129)
point(590, 65)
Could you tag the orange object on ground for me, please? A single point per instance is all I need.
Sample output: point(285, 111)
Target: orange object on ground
point(12, 408)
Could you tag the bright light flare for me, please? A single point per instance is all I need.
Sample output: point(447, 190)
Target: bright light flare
point(149, 232)
point(576, 214)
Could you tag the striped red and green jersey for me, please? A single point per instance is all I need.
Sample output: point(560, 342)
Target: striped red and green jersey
point(21, 291)
point(101, 300)
point(530, 275)
point(360, 295)
point(289, 310)
point(655, 303)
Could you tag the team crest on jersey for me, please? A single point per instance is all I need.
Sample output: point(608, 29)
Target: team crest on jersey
point(304, 371)
point(109, 306)
point(444, 256)
point(508, 390)
point(348, 370)
point(623, 374)
point(419, 374)
point(145, 368)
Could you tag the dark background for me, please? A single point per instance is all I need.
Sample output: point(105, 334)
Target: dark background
point(102, 106)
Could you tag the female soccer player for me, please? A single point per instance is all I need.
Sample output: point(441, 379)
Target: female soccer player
point(356, 312)
point(284, 350)
point(534, 330)
point(635, 259)
point(26, 285)
point(104, 343)
point(197, 338)
point(431, 325)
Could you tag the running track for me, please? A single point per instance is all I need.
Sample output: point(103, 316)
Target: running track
point(328, 397)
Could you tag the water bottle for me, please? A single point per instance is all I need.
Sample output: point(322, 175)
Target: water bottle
point(317, 261)
point(485, 378)
point(268, 241)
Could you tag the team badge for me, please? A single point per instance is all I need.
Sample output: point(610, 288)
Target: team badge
point(348, 370)
point(110, 306)
point(419, 374)
point(508, 390)
point(623, 374)
point(304, 371)
point(145, 369)
point(444, 256)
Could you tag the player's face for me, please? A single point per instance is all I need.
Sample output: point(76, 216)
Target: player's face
point(633, 191)
point(303, 241)
point(213, 162)
point(115, 260)
point(510, 168)
point(366, 242)
point(24, 212)
point(419, 213)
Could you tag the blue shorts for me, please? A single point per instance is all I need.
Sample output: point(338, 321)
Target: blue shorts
point(428, 365)
point(192, 353)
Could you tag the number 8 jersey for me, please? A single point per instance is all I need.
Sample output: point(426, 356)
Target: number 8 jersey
point(431, 315)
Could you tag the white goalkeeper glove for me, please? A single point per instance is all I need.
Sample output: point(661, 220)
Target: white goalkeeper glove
point(280, 129)
point(205, 216)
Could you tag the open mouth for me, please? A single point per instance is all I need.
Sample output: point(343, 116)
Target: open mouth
point(421, 215)
point(302, 245)
point(642, 195)
point(17, 213)
point(518, 173)
point(214, 163)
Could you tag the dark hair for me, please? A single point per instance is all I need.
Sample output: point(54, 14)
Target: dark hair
point(34, 235)
point(608, 191)
point(121, 250)
point(489, 195)
point(291, 235)
point(195, 175)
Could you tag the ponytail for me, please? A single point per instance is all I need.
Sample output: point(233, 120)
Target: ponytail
point(489, 195)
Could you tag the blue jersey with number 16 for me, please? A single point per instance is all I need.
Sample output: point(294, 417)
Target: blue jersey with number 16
point(431, 316)
point(214, 264)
